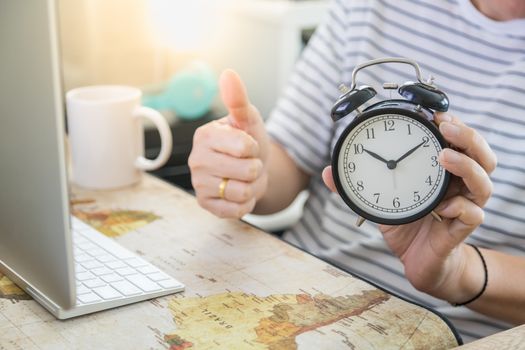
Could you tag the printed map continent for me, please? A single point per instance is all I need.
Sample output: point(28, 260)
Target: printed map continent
point(115, 223)
point(9, 290)
point(237, 320)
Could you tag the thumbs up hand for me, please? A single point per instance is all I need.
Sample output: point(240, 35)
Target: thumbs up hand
point(229, 155)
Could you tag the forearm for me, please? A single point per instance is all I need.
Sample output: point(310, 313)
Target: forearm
point(504, 297)
point(285, 181)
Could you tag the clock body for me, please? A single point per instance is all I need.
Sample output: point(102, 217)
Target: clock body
point(385, 163)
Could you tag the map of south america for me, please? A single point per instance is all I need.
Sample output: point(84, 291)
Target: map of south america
point(238, 320)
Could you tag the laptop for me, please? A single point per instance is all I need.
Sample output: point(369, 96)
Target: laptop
point(64, 264)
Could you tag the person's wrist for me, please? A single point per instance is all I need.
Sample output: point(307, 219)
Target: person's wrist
point(469, 277)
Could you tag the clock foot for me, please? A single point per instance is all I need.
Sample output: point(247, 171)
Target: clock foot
point(436, 216)
point(359, 221)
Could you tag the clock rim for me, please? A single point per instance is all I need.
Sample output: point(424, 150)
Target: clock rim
point(380, 108)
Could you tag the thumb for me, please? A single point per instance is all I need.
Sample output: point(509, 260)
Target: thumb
point(329, 179)
point(235, 98)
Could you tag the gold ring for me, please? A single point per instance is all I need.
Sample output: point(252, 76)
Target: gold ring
point(222, 187)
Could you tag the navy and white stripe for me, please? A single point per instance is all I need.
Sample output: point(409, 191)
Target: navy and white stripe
point(479, 62)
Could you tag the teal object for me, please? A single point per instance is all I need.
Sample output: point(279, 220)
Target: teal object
point(189, 93)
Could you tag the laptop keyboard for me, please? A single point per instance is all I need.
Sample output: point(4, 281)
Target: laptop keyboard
point(107, 271)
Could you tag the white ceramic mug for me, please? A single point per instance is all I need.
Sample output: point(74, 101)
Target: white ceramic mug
point(106, 136)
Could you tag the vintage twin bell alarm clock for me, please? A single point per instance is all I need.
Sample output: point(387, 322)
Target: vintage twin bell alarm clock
point(385, 163)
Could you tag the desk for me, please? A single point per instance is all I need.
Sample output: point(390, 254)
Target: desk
point(245, 289)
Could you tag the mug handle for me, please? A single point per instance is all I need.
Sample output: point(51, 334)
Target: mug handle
point(166, 141)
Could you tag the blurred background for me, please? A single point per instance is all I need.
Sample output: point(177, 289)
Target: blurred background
point(174, 50)
point(146, 42)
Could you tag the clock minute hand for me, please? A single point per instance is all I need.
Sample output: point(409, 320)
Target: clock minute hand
point(409, 152)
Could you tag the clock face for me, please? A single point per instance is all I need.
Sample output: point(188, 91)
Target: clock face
point(386, 166)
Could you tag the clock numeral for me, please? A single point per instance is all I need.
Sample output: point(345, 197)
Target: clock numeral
point(370, 134)
point(360, 185)
point(396, 202)
point(426, 140)
point(417, 197)
point(358, 148)
point(409, 130)
point(351, 167)
point(434, 161)
point(429, 180)
point(389, 125)
point(377, 197)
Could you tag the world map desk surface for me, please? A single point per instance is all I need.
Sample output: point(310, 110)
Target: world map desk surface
point(245, 289)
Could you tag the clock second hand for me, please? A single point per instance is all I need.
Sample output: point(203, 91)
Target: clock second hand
point(394, 178)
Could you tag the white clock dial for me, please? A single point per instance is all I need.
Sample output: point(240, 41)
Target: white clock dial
point(388, 167)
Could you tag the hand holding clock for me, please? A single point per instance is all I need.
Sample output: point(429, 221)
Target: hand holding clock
point(435, 260)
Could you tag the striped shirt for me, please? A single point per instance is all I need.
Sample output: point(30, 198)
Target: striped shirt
point(478, 62)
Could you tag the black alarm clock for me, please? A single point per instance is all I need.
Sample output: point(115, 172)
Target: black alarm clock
point(385, 163)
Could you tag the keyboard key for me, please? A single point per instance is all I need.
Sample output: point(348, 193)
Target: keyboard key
point(143, 283)
point(82, 290)
point(106, 258)
point(107, 292)
point(126, 288)
point(97, 282)
point(88, 298)
point(88, 245)
point(79, 268)
point(125, 271)
point(121, 253)
point(111, 278)
point(158, 276)
point(77, 239)
point(96, 252)
point(82, 258)
point(101, 271)
point(171, 283)
point(116, 265)
point(83, 276)
point(147, 269)
point(135, 262)
point(92, 264)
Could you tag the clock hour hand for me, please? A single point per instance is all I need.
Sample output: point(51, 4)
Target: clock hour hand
point(376, 156)
point(412, 150)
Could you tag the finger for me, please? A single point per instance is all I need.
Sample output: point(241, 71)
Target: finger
point(473, 175)
point(235, 98)
point(234, 190)
point(440, 117)
point(468, 140)
point(207, 186)
point(465, 216)
point(226, 209)
point(226, 139)
point(241, 191)
point(329, 179)
point(242, 169)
